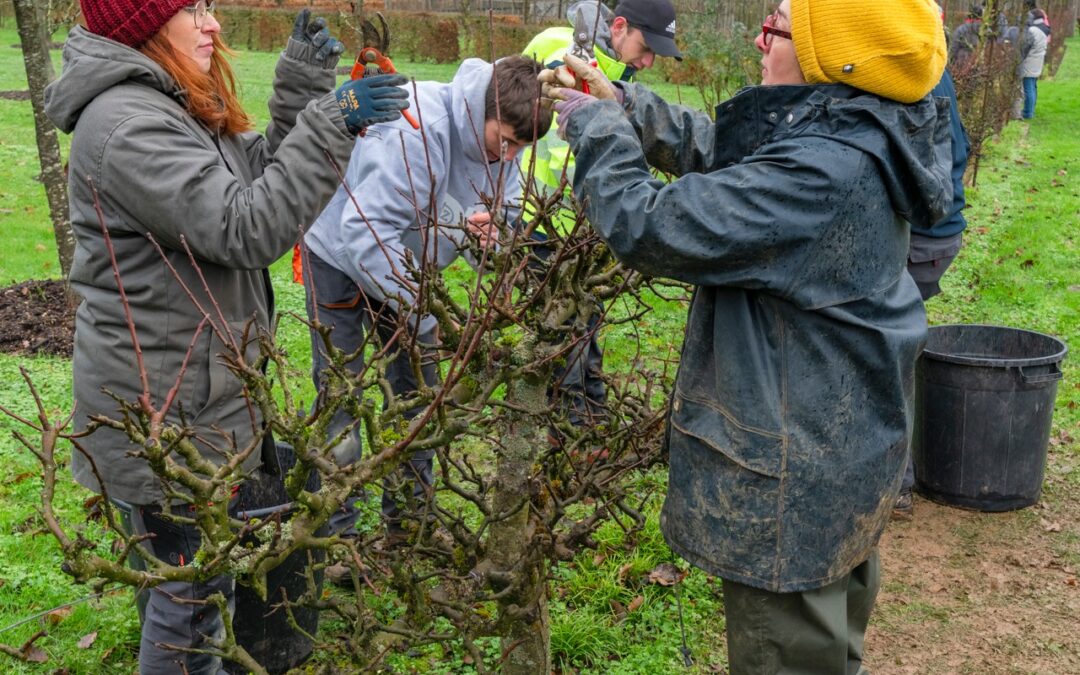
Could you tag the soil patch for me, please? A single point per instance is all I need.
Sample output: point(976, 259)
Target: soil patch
point(15, 94)
point(35, 318)
point(967, 592)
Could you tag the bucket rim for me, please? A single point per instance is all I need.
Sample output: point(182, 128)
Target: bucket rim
point(992, 362)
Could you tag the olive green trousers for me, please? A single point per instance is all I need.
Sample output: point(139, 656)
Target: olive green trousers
point(815, 632)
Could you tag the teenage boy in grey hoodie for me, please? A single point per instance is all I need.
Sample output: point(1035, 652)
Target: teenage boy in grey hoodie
point(355, 272)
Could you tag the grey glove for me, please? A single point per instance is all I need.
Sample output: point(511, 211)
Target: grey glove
point(317, 35)
point(572, 101)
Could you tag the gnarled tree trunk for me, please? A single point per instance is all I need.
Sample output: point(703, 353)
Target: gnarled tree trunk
point(523, 615)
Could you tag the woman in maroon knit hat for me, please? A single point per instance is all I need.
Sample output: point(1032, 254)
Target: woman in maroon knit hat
point(163, 148)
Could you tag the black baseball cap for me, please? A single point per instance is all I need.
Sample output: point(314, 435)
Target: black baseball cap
point(656, 21)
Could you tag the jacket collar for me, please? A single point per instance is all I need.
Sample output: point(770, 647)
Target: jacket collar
point(758, 111)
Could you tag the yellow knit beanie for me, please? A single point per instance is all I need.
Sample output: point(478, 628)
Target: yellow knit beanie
point(892, 48)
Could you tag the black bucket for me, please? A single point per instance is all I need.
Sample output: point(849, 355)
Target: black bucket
point(984, 401)
point(260, 628)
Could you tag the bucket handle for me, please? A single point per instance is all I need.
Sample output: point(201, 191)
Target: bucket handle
point(1052, 376)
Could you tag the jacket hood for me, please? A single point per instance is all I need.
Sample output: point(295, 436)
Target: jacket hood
point(910, 143)
point(468, 91)
point(589, 8)
point(93, 64)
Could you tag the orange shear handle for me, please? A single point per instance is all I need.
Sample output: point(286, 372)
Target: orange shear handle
point(369, 57)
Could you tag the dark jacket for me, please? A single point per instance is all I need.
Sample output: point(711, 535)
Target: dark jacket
point(239, 202)
point(953, 222)
point(792, 409)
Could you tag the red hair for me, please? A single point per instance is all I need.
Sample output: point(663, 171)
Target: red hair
point(211, 97)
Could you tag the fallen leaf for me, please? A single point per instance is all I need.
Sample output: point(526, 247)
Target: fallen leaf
point(598, 559)
point(618, 610)
point(1062, 172)
point(57, 615)
point(635, 603)
point(666, 574)
point(1071, 581)
point(624, 570)
point(1049, 526)
point(86, 641)
point(936, 588)
point(35, 655)
point(19, 477)
point(107, 654)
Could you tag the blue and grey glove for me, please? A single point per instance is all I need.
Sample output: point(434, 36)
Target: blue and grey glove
point(316, 34)
point(372, 99)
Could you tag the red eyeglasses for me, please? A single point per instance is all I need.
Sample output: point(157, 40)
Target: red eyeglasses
point(769, 29)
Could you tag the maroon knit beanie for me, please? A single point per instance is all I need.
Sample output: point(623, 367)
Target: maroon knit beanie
point(131, 22)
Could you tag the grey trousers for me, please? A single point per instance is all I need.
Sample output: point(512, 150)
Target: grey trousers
point(168, 622)
point(341, 304)
point(816, 632)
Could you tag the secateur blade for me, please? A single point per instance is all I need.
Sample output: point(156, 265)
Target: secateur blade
point(583, 45)
point(377, 37)
point(373, 58)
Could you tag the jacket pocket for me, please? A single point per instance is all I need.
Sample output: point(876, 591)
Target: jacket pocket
point(216, 383)
point(753, 449)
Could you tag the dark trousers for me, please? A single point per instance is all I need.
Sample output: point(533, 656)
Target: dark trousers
point(342, 305)
point(927, 274)
point(578, 384)
point(816, 632)
point(166, 620)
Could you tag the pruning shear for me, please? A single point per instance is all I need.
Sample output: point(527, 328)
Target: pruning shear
point(373, 59)
point(583, 46)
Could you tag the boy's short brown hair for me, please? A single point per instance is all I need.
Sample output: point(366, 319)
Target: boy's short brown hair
point(519, 93)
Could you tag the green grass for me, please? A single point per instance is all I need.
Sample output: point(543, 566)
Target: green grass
point(1018, 268)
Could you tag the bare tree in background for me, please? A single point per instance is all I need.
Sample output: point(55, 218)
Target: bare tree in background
point(35, 37)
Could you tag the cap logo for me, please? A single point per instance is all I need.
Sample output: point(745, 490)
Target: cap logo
point(670, 28)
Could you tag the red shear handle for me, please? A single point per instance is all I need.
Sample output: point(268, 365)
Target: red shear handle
point(369, 56)
point(583, 83)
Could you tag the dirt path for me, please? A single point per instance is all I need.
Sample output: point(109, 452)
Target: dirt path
point(967, 592)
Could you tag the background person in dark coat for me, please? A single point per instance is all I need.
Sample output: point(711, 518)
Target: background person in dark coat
point(158, 128)
point(934, 248)
point(790, 214)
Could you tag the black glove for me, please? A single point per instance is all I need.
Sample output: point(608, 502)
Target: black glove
point(372, 99)
point(316, 34)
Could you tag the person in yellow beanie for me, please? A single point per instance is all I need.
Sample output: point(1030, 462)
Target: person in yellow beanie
point(790, 214)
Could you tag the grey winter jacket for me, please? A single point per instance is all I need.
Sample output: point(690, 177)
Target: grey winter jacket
point(1032, 50)
point(408, 183)
point(792, 410)
point(237, 201)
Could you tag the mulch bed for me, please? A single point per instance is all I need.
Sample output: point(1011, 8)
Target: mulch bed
point(35, 318)
point(15, 94)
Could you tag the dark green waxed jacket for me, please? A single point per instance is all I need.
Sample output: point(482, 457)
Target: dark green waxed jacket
point(239, 202)
point(792, 410)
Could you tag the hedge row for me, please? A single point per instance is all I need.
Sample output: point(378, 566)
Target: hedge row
point(440, 38)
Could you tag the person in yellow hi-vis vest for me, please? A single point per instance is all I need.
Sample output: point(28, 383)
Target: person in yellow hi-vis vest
point(624, 42)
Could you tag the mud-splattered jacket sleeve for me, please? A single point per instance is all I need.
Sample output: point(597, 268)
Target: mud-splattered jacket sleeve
point(754, 224)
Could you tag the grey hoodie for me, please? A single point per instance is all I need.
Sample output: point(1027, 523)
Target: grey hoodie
point(239, 203)
point(395, 182)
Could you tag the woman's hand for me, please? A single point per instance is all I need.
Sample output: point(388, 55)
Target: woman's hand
point(315, 34)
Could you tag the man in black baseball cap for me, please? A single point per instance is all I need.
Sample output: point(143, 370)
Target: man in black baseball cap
point(655, 19)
